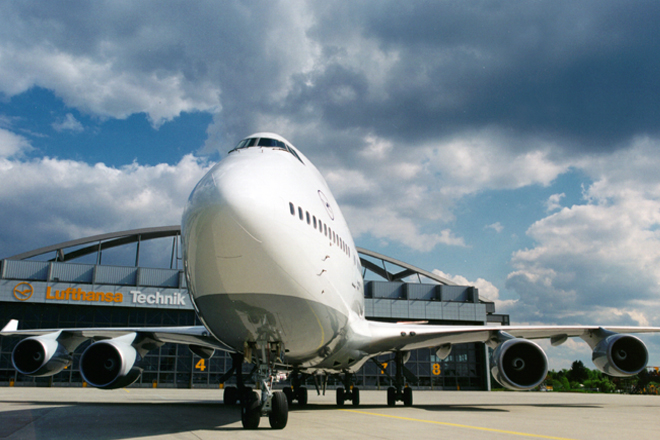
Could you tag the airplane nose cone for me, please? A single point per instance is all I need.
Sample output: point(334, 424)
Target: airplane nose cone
point(216, 237)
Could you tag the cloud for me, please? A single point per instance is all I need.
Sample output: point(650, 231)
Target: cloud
point(395, 192)
point(12, 145)
point(415, 72)
point(69, 123)
point(48, 200)
point(497, 227)
point(598, 261)
point(486, 289)
point(552, 204)
point(536, 68)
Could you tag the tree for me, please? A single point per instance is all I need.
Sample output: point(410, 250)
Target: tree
point(578, 372)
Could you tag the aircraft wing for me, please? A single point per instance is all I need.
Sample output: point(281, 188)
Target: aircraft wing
point(188, 335)
point(384, 336)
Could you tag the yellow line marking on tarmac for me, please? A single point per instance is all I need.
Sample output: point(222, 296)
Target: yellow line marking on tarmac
point(456, 425)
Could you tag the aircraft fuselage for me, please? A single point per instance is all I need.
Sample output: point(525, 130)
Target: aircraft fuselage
point(269, 257)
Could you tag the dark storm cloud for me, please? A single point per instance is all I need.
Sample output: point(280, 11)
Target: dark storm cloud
point(585, 72)
point(211, 46)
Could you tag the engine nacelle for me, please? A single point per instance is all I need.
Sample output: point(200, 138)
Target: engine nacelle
point(519, 364)
point(40, 356)
point(620, 355)
point(110, 364)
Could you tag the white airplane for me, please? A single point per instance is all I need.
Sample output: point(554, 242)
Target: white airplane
point(275, 278)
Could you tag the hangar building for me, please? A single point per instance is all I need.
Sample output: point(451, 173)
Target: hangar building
point(47, 288)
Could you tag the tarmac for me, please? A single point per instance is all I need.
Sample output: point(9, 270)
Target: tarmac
point(139, 413)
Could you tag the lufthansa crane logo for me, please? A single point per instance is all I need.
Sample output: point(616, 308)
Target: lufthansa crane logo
point(23, 291)
point(326, 204)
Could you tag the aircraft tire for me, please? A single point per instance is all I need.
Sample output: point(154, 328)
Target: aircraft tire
point(279, 414)
point(230, 396)
point(302, 396)
point(251, 411)
point(407, 396)
point(391, 396)
point(356, 396)
point(288, 392)
point(340, 396)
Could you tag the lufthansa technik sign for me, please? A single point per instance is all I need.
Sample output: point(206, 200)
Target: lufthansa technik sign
point(174, 299)
point(93, 295)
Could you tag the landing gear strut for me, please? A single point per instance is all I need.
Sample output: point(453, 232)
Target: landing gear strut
point(400, 392)
point(348, 391)
point(239, 393)
point(296, 391)
point(274, 404)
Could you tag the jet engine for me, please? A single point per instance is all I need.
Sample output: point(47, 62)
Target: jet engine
point(40, 356)
point(110, 364)
point(519, 364)
point(620, 355)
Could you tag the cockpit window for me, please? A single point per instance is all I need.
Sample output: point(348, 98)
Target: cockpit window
point(246, 143)
point(241, 144)
point(266, 142)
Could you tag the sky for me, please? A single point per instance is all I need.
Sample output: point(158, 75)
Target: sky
point(511, 145)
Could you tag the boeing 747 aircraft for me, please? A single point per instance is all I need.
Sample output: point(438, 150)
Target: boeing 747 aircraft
point(276, 280)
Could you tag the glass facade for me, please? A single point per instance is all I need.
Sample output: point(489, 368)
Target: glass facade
point(175, 366)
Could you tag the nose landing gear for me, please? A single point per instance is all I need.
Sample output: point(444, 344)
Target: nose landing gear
point(273, 404)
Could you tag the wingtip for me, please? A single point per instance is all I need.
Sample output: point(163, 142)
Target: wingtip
point(11, 326)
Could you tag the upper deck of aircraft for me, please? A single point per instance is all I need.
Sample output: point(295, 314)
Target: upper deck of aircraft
point(267, 140)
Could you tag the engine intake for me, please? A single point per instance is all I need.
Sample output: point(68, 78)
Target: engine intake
point(620, 355)
point(40, 356)
point(519, 364)
point(110, 364)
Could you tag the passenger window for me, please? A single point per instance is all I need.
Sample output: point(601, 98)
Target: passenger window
point(308, 219)
point(325, 230)
point(300, 213)
point(314, 219)
point(292, 208)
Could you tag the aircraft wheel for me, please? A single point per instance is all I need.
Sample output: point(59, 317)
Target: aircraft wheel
point(302, 396)
point(280, 411)
point(407, 396)
point(251, 411)
point(288, 392)
point(391, 396)
point(356, 396)
point(230, 396)
point(340, 396)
